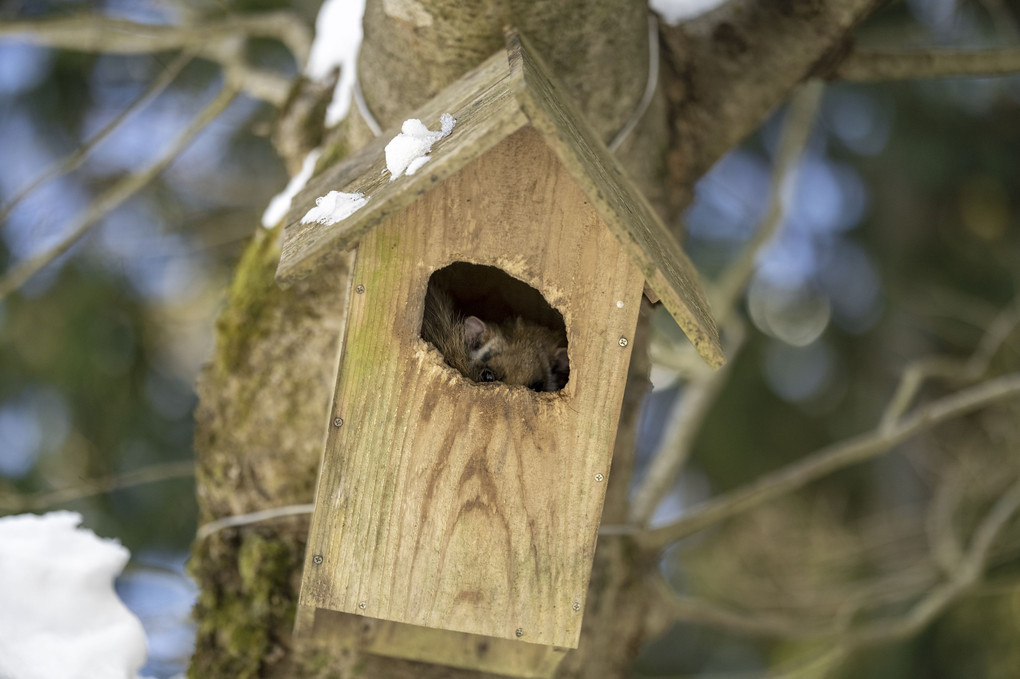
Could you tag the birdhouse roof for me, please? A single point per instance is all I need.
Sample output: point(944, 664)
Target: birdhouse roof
point(509, 91)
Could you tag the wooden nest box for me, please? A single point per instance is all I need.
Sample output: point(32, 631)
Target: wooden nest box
point(455, 521)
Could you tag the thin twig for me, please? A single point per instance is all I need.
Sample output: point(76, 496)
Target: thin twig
point(21, 272)
point(223, 42)
point(875, 65)
point(972, 368)
point(74, 159)
point(51, 498)
point(96, 33)
point(967, 574)
point(832, 458)
point(794, 137)
point(230, 53)
point(208, 529)
point(964, 579)
point(707, 613)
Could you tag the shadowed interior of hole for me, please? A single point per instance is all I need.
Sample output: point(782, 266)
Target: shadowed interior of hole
point(495, 296)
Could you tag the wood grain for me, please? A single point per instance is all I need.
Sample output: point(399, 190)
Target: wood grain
point(474, 507)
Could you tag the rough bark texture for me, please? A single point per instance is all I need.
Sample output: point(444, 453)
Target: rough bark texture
point(260, 424)
point(264, 398)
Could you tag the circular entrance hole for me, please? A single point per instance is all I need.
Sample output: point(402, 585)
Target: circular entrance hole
point(492, 327)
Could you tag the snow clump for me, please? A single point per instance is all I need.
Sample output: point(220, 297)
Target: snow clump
point(334, 207)
point(60, 617)
point(408, 151)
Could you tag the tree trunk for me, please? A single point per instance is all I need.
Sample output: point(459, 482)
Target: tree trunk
point(264, 398)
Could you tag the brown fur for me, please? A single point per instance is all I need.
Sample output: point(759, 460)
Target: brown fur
point(516, 352)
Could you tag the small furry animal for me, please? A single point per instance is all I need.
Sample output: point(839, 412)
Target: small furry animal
point(516, 351)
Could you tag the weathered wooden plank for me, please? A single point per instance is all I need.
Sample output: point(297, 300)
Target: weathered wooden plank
point(646, 239)
point(436, 646)
point(474, 507)
point(486, 112)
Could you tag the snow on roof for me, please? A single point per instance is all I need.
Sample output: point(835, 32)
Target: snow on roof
point(334, 206)
point(409, 150)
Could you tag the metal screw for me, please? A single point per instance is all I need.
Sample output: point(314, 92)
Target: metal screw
point(624, 341)
point(317, 559)
point(599, 478)
point(338, 421)
point(360, 289)
point(519, 632)
point(576, 606)
point(361, 605)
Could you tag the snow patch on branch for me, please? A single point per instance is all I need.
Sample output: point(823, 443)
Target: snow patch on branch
point(408, 151)
point(338, 37)
point(60, 617)
point(280, 204)
point(334, 207)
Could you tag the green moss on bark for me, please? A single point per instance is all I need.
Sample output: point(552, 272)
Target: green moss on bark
point(243, 620)
point(252, 293)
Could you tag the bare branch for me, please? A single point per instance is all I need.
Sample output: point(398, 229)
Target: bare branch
point(875, 65)
point(256, 82)
point(969, 369)
point(797, 126)
point(15, 277)
point(92, 33)
point(74, 159)
point(833, 458)
point(51, 498)
point(968, 574)
point(220, 41)
point(259, 83)
point(963, 579)
point(710, 614)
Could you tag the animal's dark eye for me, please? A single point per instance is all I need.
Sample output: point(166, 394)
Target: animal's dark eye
point(487, 375)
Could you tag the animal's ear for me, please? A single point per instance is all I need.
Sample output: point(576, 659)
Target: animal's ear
point(474, 327)
point(561, 363)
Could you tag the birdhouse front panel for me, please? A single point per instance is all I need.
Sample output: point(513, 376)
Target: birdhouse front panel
point(462, 505)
